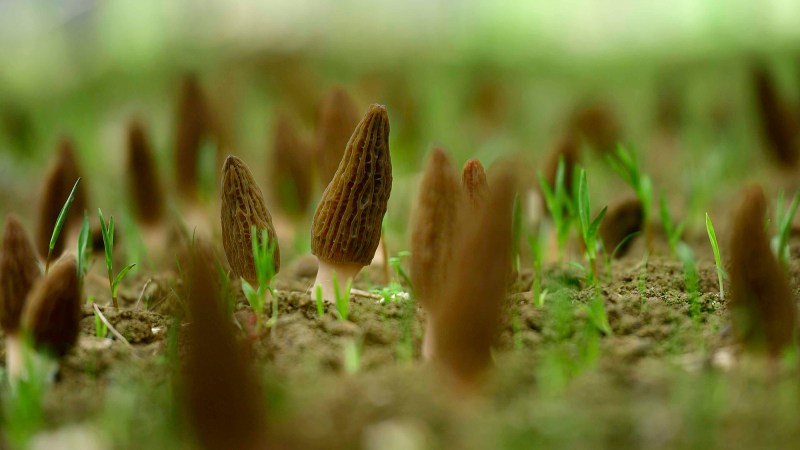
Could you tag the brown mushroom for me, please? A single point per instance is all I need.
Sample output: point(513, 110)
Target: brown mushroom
point(598, 125)
point(338, 118)
point(473, 179)
point(622, 221)
point(762, 307)
point(144, 184)
point(439, 204)
point(347, 223)
point(779, 126)
point(242, 208)
point(193, 126)
point(19, 271)
point(291, 173)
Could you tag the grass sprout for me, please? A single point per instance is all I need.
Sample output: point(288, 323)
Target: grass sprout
point(62, 217)
point(589, 227)
point(626, 164)
point(342, 299)
point(784, 219)
point(536, 242)
point(516, 232)
point(691, 276)
point(100, 327)
point(320, 301)
point(107, 230)
point(712, 237)
point(673, 230)
point(84, 252)
point(263, 250)
point(352, 356)
point(559, 204)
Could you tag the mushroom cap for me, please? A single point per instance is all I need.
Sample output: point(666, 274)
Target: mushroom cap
point(52, 313)
point(193, 124)
point(242, 207)
point(779, 127)
point(144, 184)
point(292, 175)
point(18, 273)
point(761, 303)
point(474, 181)
point(439, 205)
point(348, 219)
point(338, 118)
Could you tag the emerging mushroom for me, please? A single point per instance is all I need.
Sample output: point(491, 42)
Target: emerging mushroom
point(19, 271)
point(762, 308)
point(347, 223)
point(193, 125)
point(338, 118)
point(52, 313)
point(467, 318)
point(242, 208)
point(620, 224)
point(144, 184)
point(597, 124)
point(779, 126)
point(474, 180)
point(56, 187)
point(439, 205)
point(291, 175)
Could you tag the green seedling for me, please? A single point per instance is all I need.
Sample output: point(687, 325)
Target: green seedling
point(626, 165)
point(536, 244)
point(784, 219)
point(352, 356)
point(263, 250)
point(62, 217)
point(692, 277)
point(107, 229)
point(674, 231)
point(320, 301)
point(84, 252)
point(23, 407)
point(589, 227)
point(559, 204)
point(596, 312)
point(396, 264)
point(100, 327)
point(712, 237)
point(342, 300)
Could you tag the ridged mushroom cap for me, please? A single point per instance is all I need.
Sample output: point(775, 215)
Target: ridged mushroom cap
point(348, 219)
point(144, 184)
point(439, 204)
point(242, 207)
point(18, 273)
point(53, 311)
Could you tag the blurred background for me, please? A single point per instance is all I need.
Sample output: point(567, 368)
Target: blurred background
point(670, 79)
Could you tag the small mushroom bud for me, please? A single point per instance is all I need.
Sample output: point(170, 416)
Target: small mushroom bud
point(52, 313)
point(144, 184)
point(474, 180)
point(779, 126)
point(221, 394)
point(598, 126)
point(291, 173)
point(467, 318)
point(622, 221)
point(242, 208)
point(762, 308)
point(435, 226)
point(192, 127)
point(347, 223)
point(18, 273)
point(338, 118)
point(58, 183)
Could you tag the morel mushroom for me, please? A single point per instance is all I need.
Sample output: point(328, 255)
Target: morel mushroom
point(467, 319)
point(347, 223)
point(58, 183)
point(52, 313)
point(144, 184)
point(598, 125)
point(193, 125)
point(242, 208)
point(474, 180)
point(762, 308)
point(291, 173)
point(620, 224)
point(435, 227)
point(338, 118)
point(778, 124)
point(18, 272)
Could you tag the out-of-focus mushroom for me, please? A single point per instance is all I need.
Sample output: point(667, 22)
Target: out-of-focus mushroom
point(439, 205)
point(598, 125)
point(291, 173)
point(347, 223)
point(144, 184)
point(338, 118)
point(242, 208)
point(620, 224)
point(779, 126)
point(762, 308)
point(19, 271)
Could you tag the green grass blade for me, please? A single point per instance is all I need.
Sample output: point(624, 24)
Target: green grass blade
point(62, 217)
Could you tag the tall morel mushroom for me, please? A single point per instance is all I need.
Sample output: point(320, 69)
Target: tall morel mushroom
point(338, 118)
point(243, 208)
point(473, 179)
point(347, 223)
point(439, 205)
point(762, 308)
point(56, 187)
point(467, 318)
point(52, 313)
point(291, 175)
point(192, 127)
point(144, 184)
point(19, 271)
point(779, 125)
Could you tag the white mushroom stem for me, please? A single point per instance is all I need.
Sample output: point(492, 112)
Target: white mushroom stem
point(15, 366)
point(325, 275)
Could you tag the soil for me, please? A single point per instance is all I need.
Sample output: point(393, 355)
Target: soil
point(661, 379)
